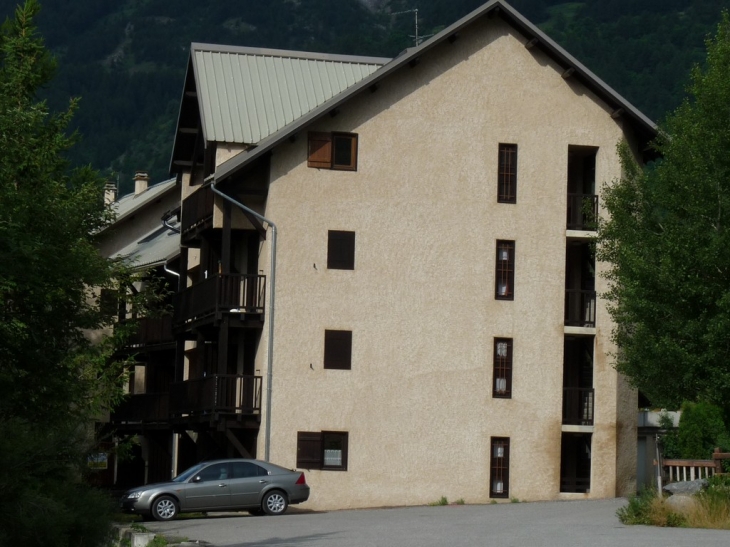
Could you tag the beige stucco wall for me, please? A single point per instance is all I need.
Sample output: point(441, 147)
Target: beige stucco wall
point(417, 403)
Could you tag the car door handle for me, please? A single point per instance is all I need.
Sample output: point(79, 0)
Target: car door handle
point(222, 485)
point(263, 482)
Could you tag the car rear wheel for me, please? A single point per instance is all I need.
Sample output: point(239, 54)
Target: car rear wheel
point(274, 503)
point(164, 508)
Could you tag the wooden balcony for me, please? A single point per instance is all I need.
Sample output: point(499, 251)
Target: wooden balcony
point(152, 331)
point(580, 308)
point(142, 408)
point(197, 210)
point(577, 406)
point(217, 394)
point(220, 294)
point(582, 212)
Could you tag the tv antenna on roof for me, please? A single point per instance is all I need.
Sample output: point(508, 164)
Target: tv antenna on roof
point(417, 39)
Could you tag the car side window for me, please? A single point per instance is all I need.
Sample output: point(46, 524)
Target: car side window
point(215, 472)
point(242, 470)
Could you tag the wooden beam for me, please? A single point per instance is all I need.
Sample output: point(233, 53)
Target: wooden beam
point(532, 43)
point(334, 112)
point(237, 444)
point(255, 223)
point(373, 88)
point(494, 12)
point(183, 163)
point(414, 62)
point(568, 73)
point(188, 130)
point(191, 93)
point(453, 38)
point(617, 113)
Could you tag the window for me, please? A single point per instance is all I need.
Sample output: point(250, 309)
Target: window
point(505, 271)
point(340, 250)
point(499, 471)
point(338, 349)
point(502, 387)
point(324, 450)
point(333, 151)
point(507, 177)
point(244, 470)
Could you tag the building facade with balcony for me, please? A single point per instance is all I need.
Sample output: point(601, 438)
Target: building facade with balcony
point(436, 326)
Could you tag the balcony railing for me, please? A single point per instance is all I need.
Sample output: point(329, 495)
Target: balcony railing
point(580, 308)
point(221, 293)
point(220, 393)
point(582, 211)
point(578, 406)
point(197, 208)
point(143, 407)
point(152, 331)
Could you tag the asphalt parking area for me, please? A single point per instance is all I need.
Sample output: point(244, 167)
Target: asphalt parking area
point(549, 524)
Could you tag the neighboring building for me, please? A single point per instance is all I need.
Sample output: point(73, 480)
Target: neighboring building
point(437, 331)
point(139, 236)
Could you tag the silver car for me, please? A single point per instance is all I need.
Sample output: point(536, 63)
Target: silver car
point(220, 485)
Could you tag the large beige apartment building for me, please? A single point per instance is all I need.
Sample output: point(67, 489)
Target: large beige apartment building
point(387, 276)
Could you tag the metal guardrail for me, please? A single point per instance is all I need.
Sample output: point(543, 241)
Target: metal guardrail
point(578, 403)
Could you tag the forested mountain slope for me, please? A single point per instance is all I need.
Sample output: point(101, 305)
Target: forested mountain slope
point(127, 59)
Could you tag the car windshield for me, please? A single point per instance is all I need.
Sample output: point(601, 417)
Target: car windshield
point(185, 475)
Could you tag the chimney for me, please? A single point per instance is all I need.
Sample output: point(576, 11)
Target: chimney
point(141, 180)
point(110, 192)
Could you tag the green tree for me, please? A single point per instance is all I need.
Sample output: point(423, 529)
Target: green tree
point(667, 243)
point(53, 379)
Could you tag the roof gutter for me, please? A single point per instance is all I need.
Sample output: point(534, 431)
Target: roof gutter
point(270, 313)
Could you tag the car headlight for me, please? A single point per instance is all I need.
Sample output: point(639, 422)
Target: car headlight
point(135, 495)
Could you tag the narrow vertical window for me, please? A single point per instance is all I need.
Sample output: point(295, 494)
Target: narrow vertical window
point(507, 182)
point(338, 349)
point(502, 387)
point(499, 471)
point(505, 270)
point(340, 250)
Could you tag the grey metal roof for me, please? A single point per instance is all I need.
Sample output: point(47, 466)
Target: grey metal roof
point(646, 128)
point(154, 248)
point(247, 94)
point(130, 203)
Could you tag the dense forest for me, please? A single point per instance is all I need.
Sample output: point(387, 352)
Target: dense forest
point(127, 59)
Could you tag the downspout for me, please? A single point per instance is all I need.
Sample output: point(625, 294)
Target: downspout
point(270, 314)
point(164, 267)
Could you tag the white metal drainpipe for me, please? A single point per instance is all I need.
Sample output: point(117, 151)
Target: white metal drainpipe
point(269, 315)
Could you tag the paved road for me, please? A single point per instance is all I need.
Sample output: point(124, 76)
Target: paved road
point(542, 524)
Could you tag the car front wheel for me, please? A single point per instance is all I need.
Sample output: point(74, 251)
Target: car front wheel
point(274, 503)
point(164, 508)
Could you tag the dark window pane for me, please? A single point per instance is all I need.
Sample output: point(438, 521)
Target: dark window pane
point(505, 270)
point(340, 250)
point(309, 450)
point(499, 469)
point(344, 151)
point(507, 177)
point(243, 470)
point(502, 383)
point(338, 349)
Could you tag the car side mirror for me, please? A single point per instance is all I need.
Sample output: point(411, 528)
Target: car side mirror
point(197, 478)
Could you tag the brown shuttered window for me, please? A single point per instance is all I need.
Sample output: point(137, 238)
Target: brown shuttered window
point(309, 450)
point(320, 150)
point(332, 151)
point(505, 271)
point(502, 383)
point(507, 181)
point(499, 469)
point(340, 250)
point(338, 349)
